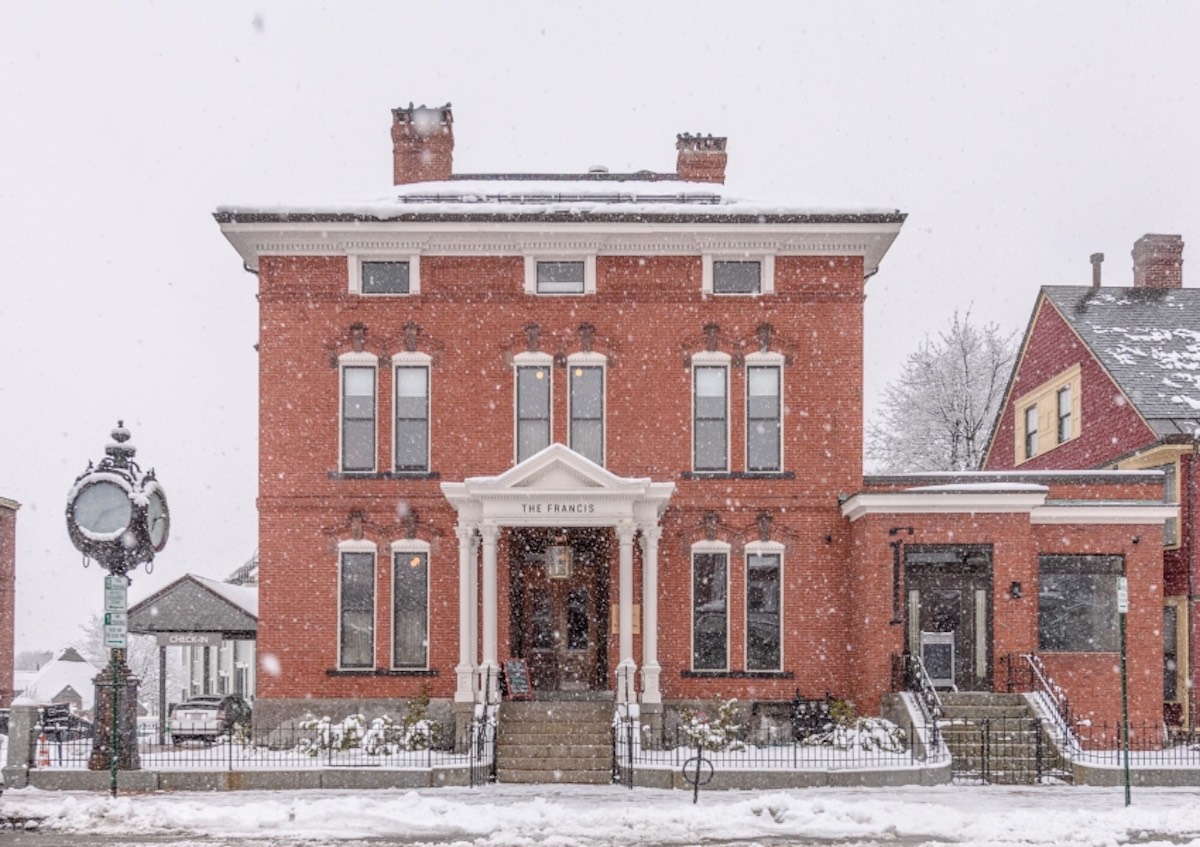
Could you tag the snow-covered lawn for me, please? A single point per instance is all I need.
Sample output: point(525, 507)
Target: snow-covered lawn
point(564, 816)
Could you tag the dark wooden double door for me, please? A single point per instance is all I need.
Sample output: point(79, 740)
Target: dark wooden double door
point(949, 614)
point(560, 625)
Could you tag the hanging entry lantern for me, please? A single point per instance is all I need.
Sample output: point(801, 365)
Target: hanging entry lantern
point(559, 559)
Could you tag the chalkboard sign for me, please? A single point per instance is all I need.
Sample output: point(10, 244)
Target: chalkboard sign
point(516, 680)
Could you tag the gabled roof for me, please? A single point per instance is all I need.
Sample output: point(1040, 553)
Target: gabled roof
point(66, 670)
point(1148, 339)
point(197, 604)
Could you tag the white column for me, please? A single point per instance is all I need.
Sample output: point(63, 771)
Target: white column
point(474, 601)
point(627, 667)
point(465, 670)
point(650, 667)
point(490, 666)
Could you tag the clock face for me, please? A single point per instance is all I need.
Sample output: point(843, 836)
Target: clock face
point(103, 508)
point(157, 519)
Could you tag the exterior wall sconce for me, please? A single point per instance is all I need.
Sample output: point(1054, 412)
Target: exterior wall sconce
point(1014, 591)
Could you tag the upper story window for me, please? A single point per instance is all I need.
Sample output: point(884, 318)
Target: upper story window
point(358, 380)
point(533, 373)
point(586, 405)
point(764, 412)
point(710, 412)
point(1031, 432)
point(410, 604)
point(560, 274)
point(382, 276)
point(738, 274)
point(412, 412)
point(356, 605)
point(1064, 414)
point(1048, 415)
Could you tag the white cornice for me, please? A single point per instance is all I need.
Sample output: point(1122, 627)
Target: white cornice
point(1104, 513)
point(942, 502)
point(253, 240)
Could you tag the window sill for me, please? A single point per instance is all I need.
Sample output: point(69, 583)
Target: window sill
point(384, 475)
point(379, 672)
point(737, 675)
point(738, 475)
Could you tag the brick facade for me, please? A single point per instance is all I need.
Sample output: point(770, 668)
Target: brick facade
point(651, 319)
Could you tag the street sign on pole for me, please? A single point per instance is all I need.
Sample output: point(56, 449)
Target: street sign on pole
point(116, 593)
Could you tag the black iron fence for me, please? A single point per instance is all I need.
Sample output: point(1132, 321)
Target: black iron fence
point(863, 744)
point(284, 748)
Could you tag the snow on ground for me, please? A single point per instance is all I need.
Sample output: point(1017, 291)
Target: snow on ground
point(566, 816)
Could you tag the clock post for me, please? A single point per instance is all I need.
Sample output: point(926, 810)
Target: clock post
point(117, 516)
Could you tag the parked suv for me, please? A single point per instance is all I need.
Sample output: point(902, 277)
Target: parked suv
point(204, 717)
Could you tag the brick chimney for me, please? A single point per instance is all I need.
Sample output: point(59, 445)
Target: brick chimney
point(701, 158)
point(422, 144)
point(1158, 261)
point(1097, 260)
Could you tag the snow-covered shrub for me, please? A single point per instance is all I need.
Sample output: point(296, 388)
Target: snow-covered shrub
point(383, 736)
point(870, 734)
point(716, 732)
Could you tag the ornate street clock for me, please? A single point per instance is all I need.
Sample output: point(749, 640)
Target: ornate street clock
point(115, 514)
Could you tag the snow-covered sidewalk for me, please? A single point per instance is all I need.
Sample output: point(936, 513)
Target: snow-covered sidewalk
point(564, 816)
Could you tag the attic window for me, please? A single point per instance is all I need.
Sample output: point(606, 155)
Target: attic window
point(373, 276)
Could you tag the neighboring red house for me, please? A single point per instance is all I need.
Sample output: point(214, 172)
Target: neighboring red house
point(1109, 377)
point(612, 424)
point(8, 576)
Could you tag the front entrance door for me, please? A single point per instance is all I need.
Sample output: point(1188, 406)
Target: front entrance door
point(949, 614)
point(559, 622)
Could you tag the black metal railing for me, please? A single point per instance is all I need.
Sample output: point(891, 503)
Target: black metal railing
point(1026, 673)
point(482, 734)
point(909, 674)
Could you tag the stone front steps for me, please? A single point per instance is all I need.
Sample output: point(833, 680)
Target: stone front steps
point(555, 741)
point(996, 738)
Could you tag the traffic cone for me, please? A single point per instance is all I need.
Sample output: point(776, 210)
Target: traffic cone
point(43, 757)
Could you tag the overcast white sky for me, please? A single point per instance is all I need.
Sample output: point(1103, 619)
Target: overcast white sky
point(1018, 137)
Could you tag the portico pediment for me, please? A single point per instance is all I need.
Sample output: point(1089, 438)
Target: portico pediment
point(557, 486)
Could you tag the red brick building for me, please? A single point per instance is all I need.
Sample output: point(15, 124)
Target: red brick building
point(611, 424)
point(1109, 377)
point(8, 576)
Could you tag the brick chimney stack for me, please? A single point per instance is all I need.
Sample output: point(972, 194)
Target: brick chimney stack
point(1158, 261)
point(422, 144)
point(1097, 259)
point(701, 158)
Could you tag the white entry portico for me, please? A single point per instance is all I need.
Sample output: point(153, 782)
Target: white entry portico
point(555, 487)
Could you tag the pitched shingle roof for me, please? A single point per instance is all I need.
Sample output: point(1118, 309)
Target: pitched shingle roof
point(1149, 341)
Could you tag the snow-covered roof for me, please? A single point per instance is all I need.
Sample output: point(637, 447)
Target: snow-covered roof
point(1149, 341)
point(67, 669)
point(563, 197)
point(245, 597)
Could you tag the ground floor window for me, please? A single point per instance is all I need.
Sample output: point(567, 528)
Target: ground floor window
point(762, 611)
point(410, 608)
point(1077, 603)
point(356, 642)
point(710, 610)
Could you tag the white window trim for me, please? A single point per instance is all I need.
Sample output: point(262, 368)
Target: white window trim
point(763, 360)
point(356, 360)
point(357, 546)
point(530, 360)
point(767, 267)
point(355, 261)
point(591, 360)
point(589, 272)
point(411, 546)
point(414, 360)
point(708, 547)
point(709, 359)
point(761, 548)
